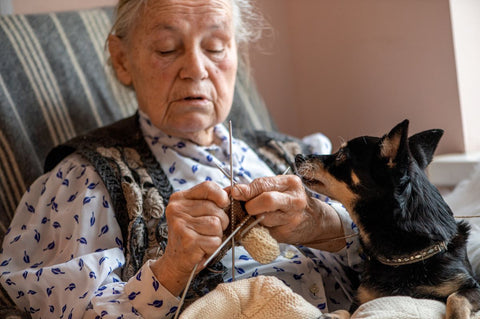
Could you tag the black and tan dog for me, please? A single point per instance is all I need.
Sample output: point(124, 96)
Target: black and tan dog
point(413, 245)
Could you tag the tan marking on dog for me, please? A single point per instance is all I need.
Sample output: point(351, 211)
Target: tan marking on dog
point(445, 288)
point(355, 179)
point(365, 295)
point(333, 188)
point(340, 192)
point(365, 236)
point(389, 148)
point(458, 306)
point(390, 163)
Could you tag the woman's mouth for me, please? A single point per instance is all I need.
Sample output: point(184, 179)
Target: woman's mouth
point(193, 100)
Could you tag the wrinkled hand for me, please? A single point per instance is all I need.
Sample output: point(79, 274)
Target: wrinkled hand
point(196, 221)
point(290, 215)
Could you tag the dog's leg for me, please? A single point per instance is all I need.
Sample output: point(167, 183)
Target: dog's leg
point(463, 304)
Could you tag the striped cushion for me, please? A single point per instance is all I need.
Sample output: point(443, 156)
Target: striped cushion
point(54, 84)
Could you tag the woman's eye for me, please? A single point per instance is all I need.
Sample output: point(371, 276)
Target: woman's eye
point(165, 52)
point(216, 50)
point(213, 46)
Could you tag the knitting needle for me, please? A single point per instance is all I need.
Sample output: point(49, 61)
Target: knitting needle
point(224, 172)
point(215, 253)
point(182, 300)
point(247, 229)
point(232, 216)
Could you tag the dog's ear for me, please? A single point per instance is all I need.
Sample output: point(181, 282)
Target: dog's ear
point(394, 146)
point(423, 145)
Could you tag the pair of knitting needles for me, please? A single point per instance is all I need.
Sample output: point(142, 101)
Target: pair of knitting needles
point(231, 237)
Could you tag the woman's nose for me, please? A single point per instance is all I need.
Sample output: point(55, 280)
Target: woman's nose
point(194, 66)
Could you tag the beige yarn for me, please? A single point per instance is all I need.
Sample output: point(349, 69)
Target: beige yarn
point(261, 245)
point(254, 298)
point(257, 241)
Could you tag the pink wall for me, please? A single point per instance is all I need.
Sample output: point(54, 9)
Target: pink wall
point(359, 67)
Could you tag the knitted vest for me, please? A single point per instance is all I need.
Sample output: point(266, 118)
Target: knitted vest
point(140, 190)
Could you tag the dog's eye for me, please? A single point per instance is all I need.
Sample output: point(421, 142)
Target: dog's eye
point(341, 156)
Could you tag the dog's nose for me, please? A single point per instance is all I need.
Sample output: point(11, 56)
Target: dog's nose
point(299, 159)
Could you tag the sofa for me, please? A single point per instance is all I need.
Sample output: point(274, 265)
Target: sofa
point(55, 83)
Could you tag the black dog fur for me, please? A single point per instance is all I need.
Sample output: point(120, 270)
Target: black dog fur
point(400, 216)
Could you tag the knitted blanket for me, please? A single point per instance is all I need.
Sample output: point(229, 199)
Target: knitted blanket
point(266, 297)
point(256, 297)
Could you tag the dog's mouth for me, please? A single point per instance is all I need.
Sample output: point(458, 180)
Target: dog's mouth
point(310, 181)
point(306, 170)
point(307, 174)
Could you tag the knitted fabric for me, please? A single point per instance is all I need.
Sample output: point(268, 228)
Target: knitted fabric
point(261, 245)
point(257, 241)
point(257, 297)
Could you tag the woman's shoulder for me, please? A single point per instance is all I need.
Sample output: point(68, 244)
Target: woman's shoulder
point(67, 178)
point(123, 132)
point(73, 166)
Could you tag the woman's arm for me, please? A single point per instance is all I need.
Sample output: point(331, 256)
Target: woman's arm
point(196, 220)
point(63, 254)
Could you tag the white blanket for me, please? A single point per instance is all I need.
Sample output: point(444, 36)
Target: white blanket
point(464, 200)
point(400, 308)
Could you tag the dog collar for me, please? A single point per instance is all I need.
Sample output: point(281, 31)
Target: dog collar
point(415, 257)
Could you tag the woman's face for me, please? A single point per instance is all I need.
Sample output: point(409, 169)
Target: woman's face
point(181, 58)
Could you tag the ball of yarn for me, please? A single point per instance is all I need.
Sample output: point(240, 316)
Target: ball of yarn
point(261, 245)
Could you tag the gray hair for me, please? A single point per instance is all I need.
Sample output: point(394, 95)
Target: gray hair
point(249, 23)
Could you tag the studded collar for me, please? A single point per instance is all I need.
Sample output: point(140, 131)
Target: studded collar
point(414, 257)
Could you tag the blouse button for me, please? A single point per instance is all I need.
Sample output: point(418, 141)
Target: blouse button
point(289, 254)
point(314, 289)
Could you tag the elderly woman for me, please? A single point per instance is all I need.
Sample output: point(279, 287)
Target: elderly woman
point(90, 237)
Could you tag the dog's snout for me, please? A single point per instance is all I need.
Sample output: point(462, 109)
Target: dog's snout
point(299, 159)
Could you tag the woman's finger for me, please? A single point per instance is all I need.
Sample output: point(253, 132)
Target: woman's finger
point(280, 183)
point(207, 225)
point(276, 201)
point(196, 209)
point(205, 191)
point(188, 248)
